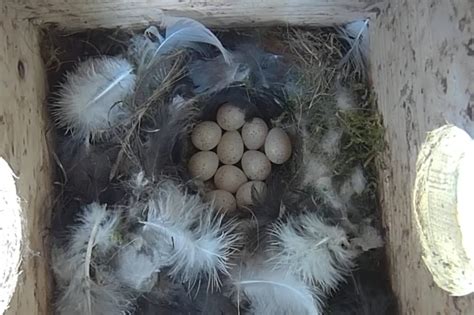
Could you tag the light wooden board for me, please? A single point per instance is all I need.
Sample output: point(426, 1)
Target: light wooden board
point(423, 70)
point(23, 145)
point(423, 75)
point(222, 13)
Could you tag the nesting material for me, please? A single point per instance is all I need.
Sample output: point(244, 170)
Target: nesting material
point(90, 102)
point(238, 167)
point(224, 175)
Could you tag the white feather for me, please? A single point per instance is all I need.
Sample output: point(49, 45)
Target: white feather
point(183, 32)
point(80, 293)
point(311, 251)
point(91, 99)
point(199, 245)
point(138, 267)
point(271, 292)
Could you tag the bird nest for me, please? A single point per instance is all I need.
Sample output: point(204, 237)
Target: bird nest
point(133, 231)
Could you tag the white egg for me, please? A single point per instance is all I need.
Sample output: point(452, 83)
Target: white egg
point(230, 117)
point(222, 200)
point(254, 133)
point(256, 165)
point(203, 165)
point(206, 135)
point(231, 148)
point(278, 146)
point(229, 178)
point(244, 195)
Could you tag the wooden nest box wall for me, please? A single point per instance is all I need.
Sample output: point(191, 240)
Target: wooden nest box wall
point(422, 57)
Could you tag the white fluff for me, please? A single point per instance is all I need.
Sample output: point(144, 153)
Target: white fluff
point(311, 251)
point(315, 168)
point(199, 245)
point(325, 187)
point(138, 267)
point(344, 98)
point(358, 180)
point(354, 185)
point(331, 142)
point(80, 294)
point(271, 292)
point(368, 237)
point(91, 99)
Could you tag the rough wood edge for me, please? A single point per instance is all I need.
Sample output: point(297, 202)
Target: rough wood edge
point(423, 73)
point(23, 144)
point(82, 14)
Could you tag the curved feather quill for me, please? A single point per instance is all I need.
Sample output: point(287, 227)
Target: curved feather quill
point(90, 100)
point(274, 291)
point(186, 33)
point(83, 292)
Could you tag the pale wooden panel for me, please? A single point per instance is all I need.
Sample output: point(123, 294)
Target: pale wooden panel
point(423, 71)
point(222, 13)
point(23, 145)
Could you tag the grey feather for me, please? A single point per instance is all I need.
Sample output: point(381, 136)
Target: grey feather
point(251, 66)
point(356, 35)
point(210, 76)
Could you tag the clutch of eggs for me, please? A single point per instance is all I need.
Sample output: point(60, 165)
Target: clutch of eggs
point(238, 155)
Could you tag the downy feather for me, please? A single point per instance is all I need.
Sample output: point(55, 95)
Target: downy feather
point(137, 266)
point(310, 250)
point(86, 287)
point(274, 291)
point(90, 101)
point(355, 184)
point(199, 244)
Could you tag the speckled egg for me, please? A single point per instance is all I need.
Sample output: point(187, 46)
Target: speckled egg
point(256, 165)
point(244, 194)
point(230, 117)
point(203, 165)
point(222, 200)
point(254, 133)
point(278, 146)
point(206, 135)
point(229, 178)
point(231, 148)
